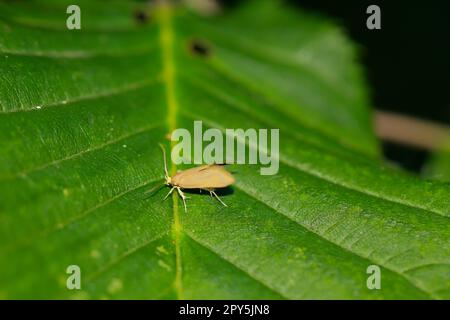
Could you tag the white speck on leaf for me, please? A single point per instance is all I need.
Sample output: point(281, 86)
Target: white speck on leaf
point(164, 265)
point(95, 254)
point(115, 286)
point(162, 250)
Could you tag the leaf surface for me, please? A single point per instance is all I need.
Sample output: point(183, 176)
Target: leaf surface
point(81, 116)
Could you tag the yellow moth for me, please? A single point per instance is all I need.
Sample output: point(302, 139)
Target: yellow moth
point(206, 177)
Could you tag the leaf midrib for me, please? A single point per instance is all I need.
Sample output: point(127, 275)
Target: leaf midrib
point(166, 41)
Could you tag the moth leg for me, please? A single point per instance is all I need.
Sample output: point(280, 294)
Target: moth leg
point(183, 197)
point(211, 192)
point(169, 193)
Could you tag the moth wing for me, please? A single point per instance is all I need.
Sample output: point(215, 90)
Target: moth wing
point(204, 177)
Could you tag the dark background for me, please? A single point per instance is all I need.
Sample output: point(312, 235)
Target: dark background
point(407, 62)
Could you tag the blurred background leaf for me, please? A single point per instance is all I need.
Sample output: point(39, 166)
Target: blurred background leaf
point(438, 167)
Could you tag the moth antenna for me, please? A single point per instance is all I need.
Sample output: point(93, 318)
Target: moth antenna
point(165, 161)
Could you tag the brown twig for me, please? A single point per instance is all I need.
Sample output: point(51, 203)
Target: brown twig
point(411, 131)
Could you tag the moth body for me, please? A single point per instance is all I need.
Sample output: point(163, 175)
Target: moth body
point(211, 176)
point(206, 177)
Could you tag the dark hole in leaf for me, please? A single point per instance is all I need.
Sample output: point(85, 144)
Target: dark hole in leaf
point(141, 17)
point(199, 48)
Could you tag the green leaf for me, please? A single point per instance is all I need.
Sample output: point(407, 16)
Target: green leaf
point(81, 116)
point(438, 166)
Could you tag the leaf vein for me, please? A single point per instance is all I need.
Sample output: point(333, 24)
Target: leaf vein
point(407, 278)
point(125, 255)
point(81, 153)
point(236, 266)
point(107, 93)
point(306, 169)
